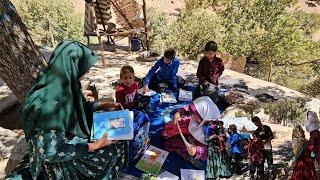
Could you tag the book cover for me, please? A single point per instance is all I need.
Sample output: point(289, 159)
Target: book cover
point(190, 174)
point(149, 93)
point(168, 98)
point(118, 124)
point(167, 176)
point(185, 95)
point(152, 160)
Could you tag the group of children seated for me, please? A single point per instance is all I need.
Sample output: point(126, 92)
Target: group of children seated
point(195, 133)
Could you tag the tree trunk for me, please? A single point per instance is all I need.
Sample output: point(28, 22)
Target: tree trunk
point(20, 60)
point(145, 24)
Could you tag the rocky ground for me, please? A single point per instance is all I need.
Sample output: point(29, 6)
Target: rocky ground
point(13, 147)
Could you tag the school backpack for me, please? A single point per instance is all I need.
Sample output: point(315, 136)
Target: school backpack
point(136, 44)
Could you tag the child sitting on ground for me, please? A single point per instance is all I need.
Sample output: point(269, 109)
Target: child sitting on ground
point(163, 75)
point(255, 153)
point(127, 89)
point(210, 67)
point(234, 141)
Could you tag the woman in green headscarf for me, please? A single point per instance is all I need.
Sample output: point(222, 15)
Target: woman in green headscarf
point(57, 122)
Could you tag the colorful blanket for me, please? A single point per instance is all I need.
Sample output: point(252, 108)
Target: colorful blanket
point(159, 114)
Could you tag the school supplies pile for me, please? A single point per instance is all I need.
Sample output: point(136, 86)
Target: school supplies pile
point(152, 160)
point(168, 97)
point(185, 95)
point(118, 124)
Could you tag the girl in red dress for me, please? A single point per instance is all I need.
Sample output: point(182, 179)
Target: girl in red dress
point(313, 126)
point(303, 164)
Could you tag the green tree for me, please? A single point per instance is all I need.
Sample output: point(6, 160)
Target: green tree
point(51, 21)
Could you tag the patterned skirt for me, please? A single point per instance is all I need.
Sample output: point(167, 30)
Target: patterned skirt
point(218, 164)
point(53, 156)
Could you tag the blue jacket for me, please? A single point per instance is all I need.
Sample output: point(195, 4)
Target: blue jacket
point(164, 72)
point(234, 141)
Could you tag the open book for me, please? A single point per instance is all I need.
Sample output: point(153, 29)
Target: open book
point(152, 160)
point(118, 124)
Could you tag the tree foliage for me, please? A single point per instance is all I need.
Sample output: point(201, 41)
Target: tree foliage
point(50, 21)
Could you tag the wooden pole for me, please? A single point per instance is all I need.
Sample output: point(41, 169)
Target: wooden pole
point(145, 24)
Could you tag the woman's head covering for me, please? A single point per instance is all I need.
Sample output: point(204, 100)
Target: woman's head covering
point(298, 141)
point(56, 101)
point(207, 110)
point(312, 121)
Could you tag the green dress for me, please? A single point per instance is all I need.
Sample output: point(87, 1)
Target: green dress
point(218, 162)
point(57, 123)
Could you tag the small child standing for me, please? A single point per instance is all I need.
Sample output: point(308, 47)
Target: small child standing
point(255, 153)
point(127, 89)
point(210, 66)
point(234, 141)
point(313, 126)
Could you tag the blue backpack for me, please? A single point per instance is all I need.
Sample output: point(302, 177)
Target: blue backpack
point(136, 44)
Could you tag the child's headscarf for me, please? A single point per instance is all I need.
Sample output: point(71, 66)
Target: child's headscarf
point(56, 101)
point(207, 110)
point(299, 141)
point(312, 121)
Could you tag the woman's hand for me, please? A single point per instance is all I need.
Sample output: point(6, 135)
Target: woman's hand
point(192, 150)
point(176, 117)
point(103, 142)
point(213, 137)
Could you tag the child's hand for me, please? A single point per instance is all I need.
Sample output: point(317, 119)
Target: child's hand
point(206, 82)
point(176, 117)
point(192, 150)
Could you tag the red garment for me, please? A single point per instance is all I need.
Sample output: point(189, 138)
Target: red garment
point(255, 151)
point(173, 141)
point(315, 141)
point(210, 71)
point(125, 95)
point(304, 168)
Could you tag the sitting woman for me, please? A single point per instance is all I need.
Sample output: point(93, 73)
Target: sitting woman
point(57, 122)
point(189, 119)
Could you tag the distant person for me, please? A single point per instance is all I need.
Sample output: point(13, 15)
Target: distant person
point(313, 126)
point(127, 89)
point(303, 164)
point(255, 153)
point(266, 135)
point(234, 141)
point(210, 66)
point(163, 75)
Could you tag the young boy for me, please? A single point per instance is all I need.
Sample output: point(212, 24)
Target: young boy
point(234, 141)
point(210, 66)
point(255, 153)
point(163, 75)
point(266, 135)
point(127, 89)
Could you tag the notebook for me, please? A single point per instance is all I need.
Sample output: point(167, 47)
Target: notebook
point(185, 95)
point(152, 160)
point(118, 124)
point(168, 98)
point(149, 93)
point(167, 176)
point(190, 174)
